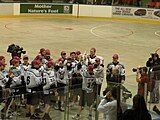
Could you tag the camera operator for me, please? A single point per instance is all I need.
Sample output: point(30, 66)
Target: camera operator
point(142, 78)
point(154, 74)
point(153, 60)
point(15, 50)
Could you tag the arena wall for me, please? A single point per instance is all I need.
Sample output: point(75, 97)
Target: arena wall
point(92, 10)
point(79, 10)
point(6, 9)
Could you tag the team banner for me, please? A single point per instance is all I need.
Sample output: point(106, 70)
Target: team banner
point(136, 12)
point(43, 8)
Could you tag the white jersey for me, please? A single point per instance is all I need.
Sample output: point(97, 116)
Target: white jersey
point(119, 66)
point(49, 79)
point(88, 82)
point(93, 60)
point(24, 69)
point(99, 74)
point(16, 80)
point(3, 78)
point(61, 75)
point(34, 78)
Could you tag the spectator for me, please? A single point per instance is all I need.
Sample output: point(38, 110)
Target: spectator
point(154, 74)
point(142, 78)
point(110, 108)
point(138, 111)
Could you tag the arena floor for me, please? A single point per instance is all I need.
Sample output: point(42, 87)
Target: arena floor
point(132, 40)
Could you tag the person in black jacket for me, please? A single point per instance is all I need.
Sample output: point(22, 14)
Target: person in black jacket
point(154, 74)
point(138, 111)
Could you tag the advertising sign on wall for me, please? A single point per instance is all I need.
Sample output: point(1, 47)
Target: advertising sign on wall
point(46, 8)
point(136, 12)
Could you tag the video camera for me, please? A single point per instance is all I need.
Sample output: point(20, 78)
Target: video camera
point(135, 69)
point(15, 50)
point(140, 69)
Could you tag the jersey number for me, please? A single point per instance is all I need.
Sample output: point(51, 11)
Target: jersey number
point(28, 80)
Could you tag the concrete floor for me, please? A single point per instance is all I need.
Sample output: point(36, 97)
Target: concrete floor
point(132, 40)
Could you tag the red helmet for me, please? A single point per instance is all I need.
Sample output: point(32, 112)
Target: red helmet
point(36, 62)
point(38, 57)
point(50, 63)
point(41, 50)
point(48, 52)
point(90, 67)
point(14, 61)
point(17, 58)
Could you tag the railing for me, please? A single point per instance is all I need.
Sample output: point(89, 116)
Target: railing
point(72, 96)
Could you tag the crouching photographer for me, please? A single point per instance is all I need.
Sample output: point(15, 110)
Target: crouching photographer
point(142, 79)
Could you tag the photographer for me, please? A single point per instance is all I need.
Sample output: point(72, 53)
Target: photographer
point(111, 108)
point(142, 78)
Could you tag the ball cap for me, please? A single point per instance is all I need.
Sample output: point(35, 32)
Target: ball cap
point(115, 56)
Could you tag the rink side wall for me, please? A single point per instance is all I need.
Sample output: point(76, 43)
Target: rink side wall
point(78, 10)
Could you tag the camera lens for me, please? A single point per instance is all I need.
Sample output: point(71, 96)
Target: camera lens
point(134, 70)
